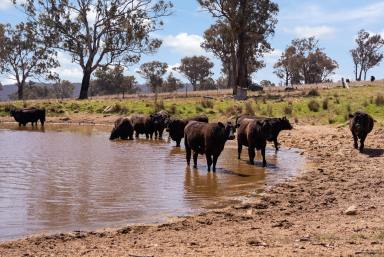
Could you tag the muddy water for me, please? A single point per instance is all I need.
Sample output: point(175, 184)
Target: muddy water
point(73, 178)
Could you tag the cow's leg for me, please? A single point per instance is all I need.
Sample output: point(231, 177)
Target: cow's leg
point(178, 142)
point(215, 157)
point(195, 155)
point(252, 154)
point(355, 140)
point(239, 149)
point(362, 140)
point(209, 160)
point(42, 122)
point(136, 134)
point(19, 124)
point(263, 155)
point(276, 144)
point(160, 134)
point(188, 154)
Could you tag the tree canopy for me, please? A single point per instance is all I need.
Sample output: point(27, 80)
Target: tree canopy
point(367, 54)
point(250, 24)
point(99, 33)
point(24, 54)
point(197, 69)
point(304, 62)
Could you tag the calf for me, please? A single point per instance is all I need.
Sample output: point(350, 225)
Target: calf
point(23, 116)
point(208, 139)
point(123, 129)
point(360, 124)
point(278, 124)
point(176, 127)
point(253, 133)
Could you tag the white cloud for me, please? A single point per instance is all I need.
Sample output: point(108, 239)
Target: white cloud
point(311, 31)
point(315, 14)
point(68, 70)
point(5, 4)
point(184, 43)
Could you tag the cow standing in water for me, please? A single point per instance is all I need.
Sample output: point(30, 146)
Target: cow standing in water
point(277, 124)
point(123, 129)
point(360, 124)
point(175, 127)
point(23, 116)
point(253, 133)
point(208, 139)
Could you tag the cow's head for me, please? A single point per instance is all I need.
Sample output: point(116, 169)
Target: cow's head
point(266, 128)
point(285, 124)
point(230, 130)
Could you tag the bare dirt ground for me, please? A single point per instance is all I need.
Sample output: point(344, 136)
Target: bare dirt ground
point(301, 217)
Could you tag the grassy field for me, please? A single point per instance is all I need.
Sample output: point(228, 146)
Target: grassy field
point(325, 105)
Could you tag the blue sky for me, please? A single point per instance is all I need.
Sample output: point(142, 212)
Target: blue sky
point(334, 23)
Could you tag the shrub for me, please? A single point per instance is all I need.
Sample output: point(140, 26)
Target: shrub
point(337, 100)
point(349, 108)
point(172, 109)
point(365, 104)
point(269, 110)
point(331, 120)
point(314, 106)
point(199, 109)
point(205, 103)
point(379, 100)
point(313, 92)
point(159, 106)
point(249, 108)
point(233, 110)
point(325, 104)
point(287, 110)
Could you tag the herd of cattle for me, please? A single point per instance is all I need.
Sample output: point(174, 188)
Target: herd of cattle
point(202, 137)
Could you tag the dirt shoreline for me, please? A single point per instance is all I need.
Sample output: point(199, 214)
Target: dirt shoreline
point(301, 217)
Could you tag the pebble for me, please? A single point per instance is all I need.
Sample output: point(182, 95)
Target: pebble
point(352, 210)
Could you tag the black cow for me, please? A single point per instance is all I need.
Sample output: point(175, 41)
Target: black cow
point(123, 129)
point(254, 133)
point(159, 121)
point(176, 127)
point(208, 139)
point(23, 116)
point(142, 125)
point(360, 124)
point(278, 124)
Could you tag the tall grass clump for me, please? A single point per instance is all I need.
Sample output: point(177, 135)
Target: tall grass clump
point(313, 92)
point(325, 104)
point(379, 100)
point(287, 110)
point(206, 103)
point(249, 108)
point(313, 106)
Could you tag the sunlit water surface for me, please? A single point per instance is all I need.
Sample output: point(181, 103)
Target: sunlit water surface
point(73, 178)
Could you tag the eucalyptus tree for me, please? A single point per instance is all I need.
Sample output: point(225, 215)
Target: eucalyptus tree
point(153, 73)
point(196, 69)
point(99, 33)
point(250, 24)
point(367, 53)
point(24, 54)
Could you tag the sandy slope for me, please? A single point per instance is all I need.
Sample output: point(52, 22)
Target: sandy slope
point(302, 217)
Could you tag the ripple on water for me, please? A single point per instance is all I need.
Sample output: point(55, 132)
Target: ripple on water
point(72, 177)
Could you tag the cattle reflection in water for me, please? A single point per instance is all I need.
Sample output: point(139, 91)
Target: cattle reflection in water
point(73, 177)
